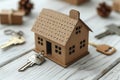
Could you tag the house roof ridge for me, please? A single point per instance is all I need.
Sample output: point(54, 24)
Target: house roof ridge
point(55, 26)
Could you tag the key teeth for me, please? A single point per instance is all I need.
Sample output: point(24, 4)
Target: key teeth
point(97, 37)
point(19, 70)
point(100, 36)
point(23, 68)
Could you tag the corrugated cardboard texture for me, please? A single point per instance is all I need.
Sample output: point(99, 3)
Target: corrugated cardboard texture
point(80, 41)
point(54, 26)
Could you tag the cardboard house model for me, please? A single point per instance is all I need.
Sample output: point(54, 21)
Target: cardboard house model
point(76, 2)
point(62, 38)
point(116, 5)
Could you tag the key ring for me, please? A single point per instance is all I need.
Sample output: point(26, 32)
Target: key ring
point(20, 33)
point(9, 32)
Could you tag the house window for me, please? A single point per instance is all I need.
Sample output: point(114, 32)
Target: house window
point(82, 44)
point(58, 49)
point(78, 30)
point(72, 50)
point(40, 41)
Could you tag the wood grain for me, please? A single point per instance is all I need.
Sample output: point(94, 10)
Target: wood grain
point(91, 67)
point(113, 74)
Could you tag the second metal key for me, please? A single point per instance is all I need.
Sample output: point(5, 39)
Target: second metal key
point(111, 30)
point(104, 34)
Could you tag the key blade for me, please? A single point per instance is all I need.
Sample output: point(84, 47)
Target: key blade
point(105, 33)
point(114, 28)
point(7, 44)
point(92, 44)
point(27, 65)
point(24, 67)
point(14, 41)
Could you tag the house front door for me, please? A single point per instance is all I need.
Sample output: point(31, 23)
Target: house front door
point(48, 48)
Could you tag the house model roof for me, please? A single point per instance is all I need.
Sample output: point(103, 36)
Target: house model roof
point(54, 26)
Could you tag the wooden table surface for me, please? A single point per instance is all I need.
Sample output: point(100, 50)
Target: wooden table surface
point(94, 66)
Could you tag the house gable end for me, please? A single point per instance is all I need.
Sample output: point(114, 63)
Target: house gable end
point(80, 24)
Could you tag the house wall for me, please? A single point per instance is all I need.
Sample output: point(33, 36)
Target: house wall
point(75, 39)
point(55, 56)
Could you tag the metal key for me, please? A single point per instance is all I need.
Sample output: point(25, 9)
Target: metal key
point(33, 60)
point(111, 29)
point(15, 40)
point(103, 48)
point(106, 33)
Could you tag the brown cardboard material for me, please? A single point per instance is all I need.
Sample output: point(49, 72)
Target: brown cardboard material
point(76, 2)
point(116, 5)
point(62, 38)
point(11, 17)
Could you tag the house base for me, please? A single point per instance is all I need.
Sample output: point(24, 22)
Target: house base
point(60, 63)
point(86, 53)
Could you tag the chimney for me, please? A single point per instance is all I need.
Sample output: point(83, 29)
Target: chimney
point(74, 14)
